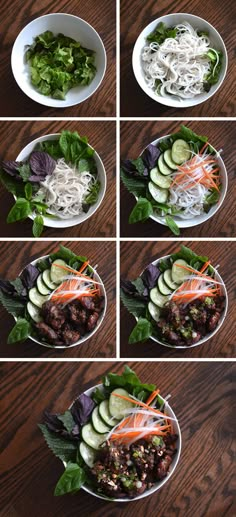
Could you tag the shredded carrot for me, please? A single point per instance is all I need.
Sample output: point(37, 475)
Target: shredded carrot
point(152, 396)
point(138, 403)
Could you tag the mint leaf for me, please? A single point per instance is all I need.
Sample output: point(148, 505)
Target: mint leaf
point(20, 331)
point(63, 449)
point(141, 212)
point(28, 191)
point(20, 210)
point(141, 332)
point(38, 226)
point(67, 420)
point(71, 480)
point(133, 185)
point(172, 225)
point(133, 305)
point(24, 171)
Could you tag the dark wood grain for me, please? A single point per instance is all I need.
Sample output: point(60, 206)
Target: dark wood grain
point(136, 135)
point(14, 256)
point(135, 16)
point(222, 253)
point(15, 135)
point(202, 398)
point(15, 16)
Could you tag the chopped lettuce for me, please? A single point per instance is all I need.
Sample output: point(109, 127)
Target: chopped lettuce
point(161, 32)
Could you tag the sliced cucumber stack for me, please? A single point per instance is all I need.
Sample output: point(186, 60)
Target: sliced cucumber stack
point(157, 298)
point(159, 179)
point(169, 280)
point(36, 298)
point(180, 151)
point(91, 437)
point(154, 311)
point(169, 161)
point(179, 274)
point(117, 405)
point(42, 288)
point(164, 169)
point(163, 288)
point(98, 424)
point(105, 414)
point(160, 195)
point(34, 312)
point(58, 273)
point(87, 453)
point(46, 275)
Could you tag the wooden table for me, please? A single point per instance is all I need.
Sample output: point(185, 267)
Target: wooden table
point(136, 135)
point(135, 16)
point(15, 16)
point(15, 135)
point(14, 256)
point(202, 398)
point(223, 253)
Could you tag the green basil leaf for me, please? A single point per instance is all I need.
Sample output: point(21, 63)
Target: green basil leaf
point(25, 171)
point(71, 480)
point(141, 332)
point(20, 210)
point(172, 225)
point(20, 331)
point(141, 212)
point(37, 226)
point(28, 191)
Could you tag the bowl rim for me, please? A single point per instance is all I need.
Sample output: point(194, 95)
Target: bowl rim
point(40, 101)
point(164, 100)
point(87, 336)
point(208, 336)
point(180, 222)
point(155, 488)
point(47, 220)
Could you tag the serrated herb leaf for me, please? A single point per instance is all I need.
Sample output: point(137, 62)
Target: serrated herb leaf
point(138, 283)
point(20, 331)
point(134, 305)
point(142, 211)
point(12, 305)
point(67, 420)
point(133, 185)
point(37, 226)
point(63, 449)
point(71, 480)
point(141, 332)
point(172, 225)
point(139, 165)
point(20, 210)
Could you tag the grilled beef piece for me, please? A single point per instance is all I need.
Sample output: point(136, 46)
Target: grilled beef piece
point(163, 467)
point(213, 321)
point(53, 314)
point(92, 321)
point(77, 315)
point(48, 333)
point(87, 302)
point(69, 335)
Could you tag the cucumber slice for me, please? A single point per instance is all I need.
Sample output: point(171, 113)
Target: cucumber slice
point(168, 160)
point(180, 151)
point(162, 166)
point(159, 194)
point(34, 312)
point(87, 453)
point(92, 438)
point(98, 423)
point(117, 406)
point(157, 298)
point(168, 280)
point(57, 274)
point(159, 179)
point(105, 414)
point(36, 298)
point(47, 280)
point(178, 273)
point(154, 311)
point(163, 288)
point(42, 288)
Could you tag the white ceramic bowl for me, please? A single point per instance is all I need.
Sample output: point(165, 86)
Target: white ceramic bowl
point(211, 334)
point(159, 484)
point(171, 20)
point(89, 334)
point(73, 221)
point(68, 25)
point(198, 219)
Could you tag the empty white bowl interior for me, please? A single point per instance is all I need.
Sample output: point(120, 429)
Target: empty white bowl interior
point(68, 25)
point(170, 20)
point(159, 484)
point(66, 223)
point(99, 322)
point(222, 318)
point(199, 219)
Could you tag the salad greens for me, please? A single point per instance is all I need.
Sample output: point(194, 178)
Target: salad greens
point(154, 167)
point(23, 179)
point(58, 63)
point(14, 293)
point(135, 295)
point(62, 432)
point(161, 32)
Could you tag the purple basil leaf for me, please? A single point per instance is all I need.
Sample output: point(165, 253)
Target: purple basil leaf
point(53, 423)
point(11, 168)
point(130, 289)
point(29, 275)
point(128, 166)
point(150, 156)
point(150, 276)
point(82, 409)
point(36, 179)
point(41, 164)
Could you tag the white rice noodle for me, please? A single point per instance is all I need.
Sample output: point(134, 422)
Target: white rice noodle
point(65, 190)
point(180, 63)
